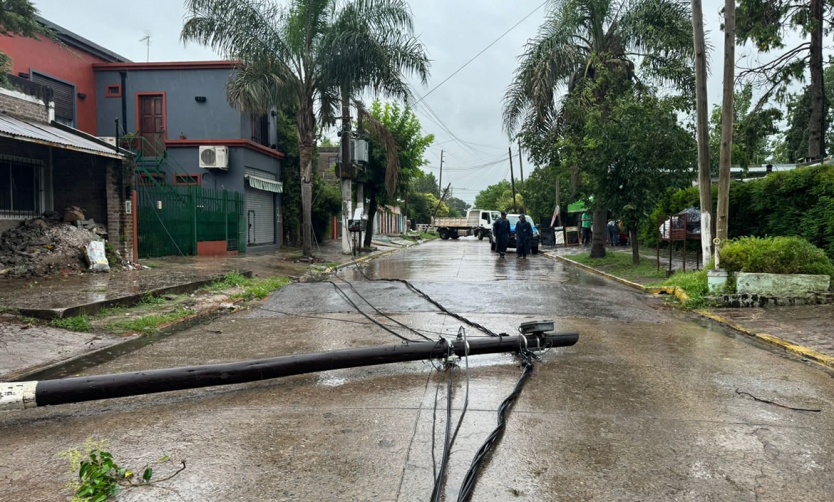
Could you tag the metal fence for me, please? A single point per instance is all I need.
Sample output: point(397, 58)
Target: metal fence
point(171, 220)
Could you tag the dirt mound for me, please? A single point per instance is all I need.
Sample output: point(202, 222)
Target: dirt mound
point(43, 246)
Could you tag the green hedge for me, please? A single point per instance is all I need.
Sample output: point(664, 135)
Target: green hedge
point(793, 203)
point(775, 255)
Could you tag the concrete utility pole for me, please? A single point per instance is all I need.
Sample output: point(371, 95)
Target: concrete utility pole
point(727, 116)
point(512, 177)
point(22, 395)
point(344, 168)
point(440, 180)
point(520, 167)
point(702, 120)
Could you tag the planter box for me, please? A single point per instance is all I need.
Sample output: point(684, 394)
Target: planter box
point(781, 285)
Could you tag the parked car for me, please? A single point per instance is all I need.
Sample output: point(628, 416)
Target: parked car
point(513, 218)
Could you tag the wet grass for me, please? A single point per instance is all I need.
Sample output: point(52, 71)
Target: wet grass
point(259, 287)
point(620, 264)
point(694, 284)
point(76, 323)
point(146, 323)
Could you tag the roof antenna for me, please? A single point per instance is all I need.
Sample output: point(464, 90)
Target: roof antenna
point(147, 40)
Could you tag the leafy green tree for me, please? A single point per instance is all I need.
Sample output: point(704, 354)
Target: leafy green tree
point(306, 54)
point(584, 39)
point(426, 183)
point(769, 24)
point(488, 197)
point(411, 145)
point(751, 129)
point(457, 207)
point(635, 150)
point(18, 18)
point(793, 145)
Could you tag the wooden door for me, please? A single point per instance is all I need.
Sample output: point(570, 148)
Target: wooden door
point(152, 124)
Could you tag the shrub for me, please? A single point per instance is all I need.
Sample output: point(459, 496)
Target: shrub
point(775, 255)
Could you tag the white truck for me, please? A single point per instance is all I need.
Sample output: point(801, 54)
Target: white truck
point(478, 222)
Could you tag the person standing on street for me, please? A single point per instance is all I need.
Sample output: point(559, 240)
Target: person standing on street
point(501, 233)
point(586, 228)
point(613, 233)
point(523, 236)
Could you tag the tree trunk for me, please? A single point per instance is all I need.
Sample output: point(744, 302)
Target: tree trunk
point(635, 248)
point(372, 207)
point(598, 233)
point(306, 155)
point(702, 119)
point(815, 120)
point(727, 117)
point(306, 130)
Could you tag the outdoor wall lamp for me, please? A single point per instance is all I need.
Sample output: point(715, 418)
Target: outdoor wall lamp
point(200, 99)
point(82, 96)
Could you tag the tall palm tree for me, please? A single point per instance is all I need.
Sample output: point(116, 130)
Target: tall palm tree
point(632, 39)
point(308, 54)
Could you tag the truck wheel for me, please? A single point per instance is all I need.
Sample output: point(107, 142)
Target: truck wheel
point(455, 236)
point(444, 234)
point(480, 236)
point(535, 249)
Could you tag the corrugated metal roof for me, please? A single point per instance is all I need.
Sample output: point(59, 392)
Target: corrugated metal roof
point(59, 137)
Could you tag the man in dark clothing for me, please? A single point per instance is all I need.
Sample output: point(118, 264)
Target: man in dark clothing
point(523, 236)
point(501, 233)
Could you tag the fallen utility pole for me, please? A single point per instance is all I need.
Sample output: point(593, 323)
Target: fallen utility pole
point(21, 395)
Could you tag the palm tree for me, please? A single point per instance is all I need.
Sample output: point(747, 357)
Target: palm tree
point(631, 39)
point(308, 54)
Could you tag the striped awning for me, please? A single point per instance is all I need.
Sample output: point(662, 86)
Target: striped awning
point(264, 184)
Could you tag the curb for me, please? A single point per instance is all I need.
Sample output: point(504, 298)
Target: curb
point(775, 341)
point(655, 290)
point(798, 350)
point(363, 259)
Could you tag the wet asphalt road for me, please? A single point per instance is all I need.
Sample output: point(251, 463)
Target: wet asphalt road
point(647, 405)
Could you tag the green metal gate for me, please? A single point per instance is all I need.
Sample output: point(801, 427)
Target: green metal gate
point(172, 219)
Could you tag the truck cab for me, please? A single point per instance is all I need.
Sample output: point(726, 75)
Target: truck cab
point(485, 220)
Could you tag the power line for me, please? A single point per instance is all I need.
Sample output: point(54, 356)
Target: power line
point(484, 50)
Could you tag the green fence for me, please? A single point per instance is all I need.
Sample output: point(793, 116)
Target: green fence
point(172, 219)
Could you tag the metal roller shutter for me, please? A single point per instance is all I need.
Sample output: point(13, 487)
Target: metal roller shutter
point(63, 95)
point(260, 216)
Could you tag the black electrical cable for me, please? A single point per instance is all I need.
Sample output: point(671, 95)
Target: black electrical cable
point(433, 302)
point(355, 306)
point(471, 477)
point(440, 479)
point(382, 313)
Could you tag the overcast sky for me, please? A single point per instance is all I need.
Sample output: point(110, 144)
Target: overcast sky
point(463, 113)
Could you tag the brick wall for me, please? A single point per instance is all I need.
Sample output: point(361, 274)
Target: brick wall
point(120, 175)
point(22, 108)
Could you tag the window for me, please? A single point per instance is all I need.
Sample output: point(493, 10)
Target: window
point(187, 179)
point(20, 187)
point(63, 96)
point(113, 91)
point(149, 180)
point(260, 129)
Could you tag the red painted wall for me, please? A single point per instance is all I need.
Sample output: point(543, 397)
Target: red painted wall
point(62, 62)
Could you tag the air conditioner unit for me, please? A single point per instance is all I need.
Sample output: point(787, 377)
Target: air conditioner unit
point(214, 157)
point(108, 139)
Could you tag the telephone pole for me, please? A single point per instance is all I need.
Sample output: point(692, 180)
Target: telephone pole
point(520, 167)
point(512, 177)
point(440, 181)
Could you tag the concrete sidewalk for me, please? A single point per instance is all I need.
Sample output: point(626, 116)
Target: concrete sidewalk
point(29, 346)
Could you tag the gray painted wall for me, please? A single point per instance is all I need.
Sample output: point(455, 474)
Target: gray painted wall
point(213, 119)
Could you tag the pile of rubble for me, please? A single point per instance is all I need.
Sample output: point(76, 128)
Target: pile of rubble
point(47, 245)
